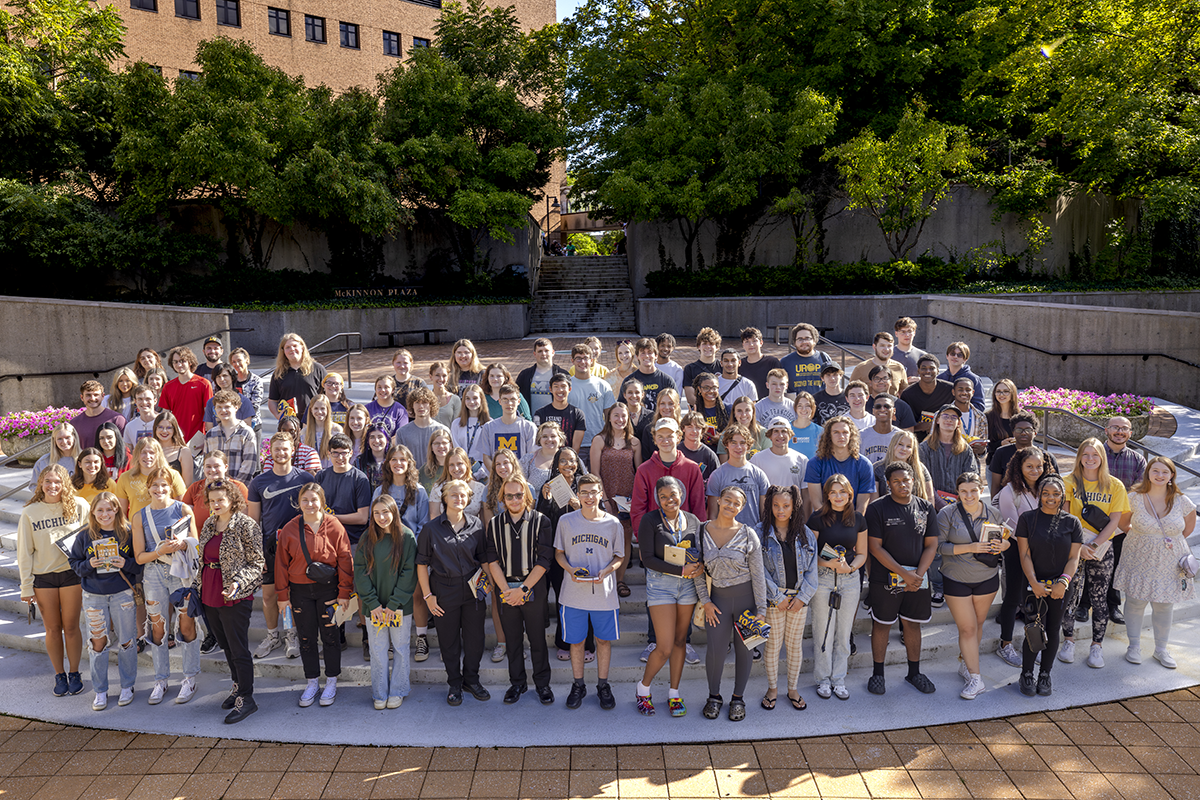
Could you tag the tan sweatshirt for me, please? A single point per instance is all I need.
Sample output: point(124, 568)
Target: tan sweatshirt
point(41, 525)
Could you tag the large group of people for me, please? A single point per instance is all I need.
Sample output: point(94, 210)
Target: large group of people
point(759, 494)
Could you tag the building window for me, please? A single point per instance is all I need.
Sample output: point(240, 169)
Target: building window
point(189, 9)
point(349, 34)
point(314, 29)
point(279, 21)
point(391, 43)
point(188, 75)
point(228, 13)
point(144, 5)
point(157, 70)
point(420, 41)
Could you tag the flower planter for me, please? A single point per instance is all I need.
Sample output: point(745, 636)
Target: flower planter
point(1073, 431)
point(13, 444)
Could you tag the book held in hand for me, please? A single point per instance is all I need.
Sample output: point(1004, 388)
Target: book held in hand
point(108, 551)
point(66, 543)
point(752, 631)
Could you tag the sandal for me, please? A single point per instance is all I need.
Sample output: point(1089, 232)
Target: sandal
point(798, 702)
point(623, 589)
point(712, 708)
point(768, 703)
point(737, 710)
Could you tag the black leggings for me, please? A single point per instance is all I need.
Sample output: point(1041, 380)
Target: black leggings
point(1014, 592)
point(1052, 624)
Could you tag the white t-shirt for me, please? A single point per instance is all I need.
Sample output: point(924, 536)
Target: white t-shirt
point(744, 388)
point(867, 421)
point(785, 470)
point(675, 373)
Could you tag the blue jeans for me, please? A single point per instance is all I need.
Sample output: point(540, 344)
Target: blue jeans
point(378, 639)
point(100, 610)
point(831, 633)
point(158, 584)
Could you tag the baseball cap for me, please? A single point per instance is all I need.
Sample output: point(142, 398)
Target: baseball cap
point(781, 423)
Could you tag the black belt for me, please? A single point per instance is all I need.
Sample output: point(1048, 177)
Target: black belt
point(212, 564)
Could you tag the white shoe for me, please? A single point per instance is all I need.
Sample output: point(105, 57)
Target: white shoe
point(1095, 658)
point(1009, 655)
point(186, 690)
point(310, 693)
point(1134, 654)
point(330, 692)
point(963, 672)
point(646, 653)
point(291, 643)
point(156, 694)
point(973, 689)
point(1066, 652)
point(841, 692)
point(126, 697)
point(825, 690)
point(380, 705)
point(394, 702)
point(1164, 658)
point(272, 642)
point(498, 652)
point(100, 702)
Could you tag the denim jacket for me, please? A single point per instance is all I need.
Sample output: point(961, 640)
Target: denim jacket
point(806, 565)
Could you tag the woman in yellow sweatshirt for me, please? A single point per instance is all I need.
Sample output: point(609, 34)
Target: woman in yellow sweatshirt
point(46, 575)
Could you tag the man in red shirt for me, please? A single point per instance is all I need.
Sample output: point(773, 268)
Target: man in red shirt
point(186, 396)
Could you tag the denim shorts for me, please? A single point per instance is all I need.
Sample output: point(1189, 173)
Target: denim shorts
point(669, 590)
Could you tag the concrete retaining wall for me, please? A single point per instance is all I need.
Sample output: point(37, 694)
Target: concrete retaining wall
point(49, 335)
point(510, 321)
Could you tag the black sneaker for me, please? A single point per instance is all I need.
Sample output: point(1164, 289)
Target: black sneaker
point(231, 701)
point(1027, 686)
point(74, 683)
point(1043, 684)
point(208, 645)
point(757, 654)
point(605, 693)
point(242, 708)
point(422, 648)
point(1115, 616)
point(937, 600)
point(575, 698)
point(514, 693)
point(1081, 614)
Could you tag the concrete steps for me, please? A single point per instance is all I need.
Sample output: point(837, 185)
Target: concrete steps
point(583, 295)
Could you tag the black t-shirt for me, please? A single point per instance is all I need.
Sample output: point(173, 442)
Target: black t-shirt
point(278, 497)
point(919, 402)
point(346, 493)
point(834, 532)
point(1000, 458)
point(757, 373)
point(570, 419)
point(642, 422)
point(902, 529)
point(297, 389)
point(206, 372)
point(652, 384)
point(1049, 553)
point(903, 417)
point(693, 370)
point(705, 458)
point(830, 406)
point(789, 564)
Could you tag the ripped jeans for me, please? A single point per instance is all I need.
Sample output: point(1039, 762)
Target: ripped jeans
point(100, 610)
point(158, 584)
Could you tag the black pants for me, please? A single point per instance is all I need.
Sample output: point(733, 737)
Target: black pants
point(1052, 622)
point(1114, 597)
point(230, 625)
point(1015, 589)
point(557, 576)
point(314, 616)
point(459, 630)
point(530, 619)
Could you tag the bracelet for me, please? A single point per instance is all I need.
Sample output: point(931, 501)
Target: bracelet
point(1065, 580)
point(1065, 575)
point(426, 597)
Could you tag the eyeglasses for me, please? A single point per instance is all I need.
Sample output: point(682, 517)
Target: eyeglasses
point(513, 496)
point(339, 453)
point(590, 494)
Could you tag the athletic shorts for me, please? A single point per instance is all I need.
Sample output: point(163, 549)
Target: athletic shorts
point(56, 580)
point(574, 624)
point(953, 588)
point(887, 605)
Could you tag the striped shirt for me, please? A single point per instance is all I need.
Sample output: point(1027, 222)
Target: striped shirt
point(520, 546)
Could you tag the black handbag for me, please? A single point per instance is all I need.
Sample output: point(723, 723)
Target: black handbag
point(987, 559)
point(316, 571)
point(1035, 627)
point(1094, 516)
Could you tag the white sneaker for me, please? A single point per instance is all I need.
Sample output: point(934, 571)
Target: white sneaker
point(100, 702)
point(272, 642)
point(394, 702)
point(646, 653)
point(690, 656)
point(963, 672)
point(1095, 658)
point(380, 705)
point(156, 694)
point(186, 690)
point(1164, 658)
point(825, 690)
point(291, 643)
point(973, 689)
point(1066, 652)
point(841, 692)
point(126, 697)
point(498, 652)
point(1009, 655)
point(310, 693)
point(330, 692)
point(1134, 654)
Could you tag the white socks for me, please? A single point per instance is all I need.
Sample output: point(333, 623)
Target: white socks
point(642, 691)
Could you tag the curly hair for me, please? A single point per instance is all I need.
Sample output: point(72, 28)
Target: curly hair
point(825, 443)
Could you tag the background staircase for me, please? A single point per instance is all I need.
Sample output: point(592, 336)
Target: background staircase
point(583, 294)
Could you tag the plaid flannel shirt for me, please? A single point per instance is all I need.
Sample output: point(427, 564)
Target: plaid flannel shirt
point(239, 446)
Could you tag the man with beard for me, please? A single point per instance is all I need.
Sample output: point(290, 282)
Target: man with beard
point(804, 366)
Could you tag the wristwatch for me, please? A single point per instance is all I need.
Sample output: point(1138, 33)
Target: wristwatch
point(527, 591)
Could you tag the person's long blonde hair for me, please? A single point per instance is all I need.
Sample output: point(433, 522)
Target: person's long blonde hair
point(913, 461)
point(115, 398)
point(958, 441)
point(55, 451)
point(495, 482)
point(455, 370)
point(66, 499)
point(310, 427)
point(120, 523)
point(1104, 479)
point(282, 365)
point(146, 442)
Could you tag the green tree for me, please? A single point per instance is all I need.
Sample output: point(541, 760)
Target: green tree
point(475, 123)
point(585, 245)
point(900, 180)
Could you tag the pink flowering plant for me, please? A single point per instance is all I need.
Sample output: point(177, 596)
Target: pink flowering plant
point(1088, 404)
point(22, 424)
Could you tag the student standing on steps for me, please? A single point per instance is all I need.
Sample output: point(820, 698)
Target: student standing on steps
point(589, 547)
point(756, 367)
point(46, 575)
point(570, 420)
point(708, 342)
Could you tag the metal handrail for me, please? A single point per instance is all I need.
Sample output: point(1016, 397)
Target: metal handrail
point(350, 335)
point(1099, 427)
point(934, 320)
point(845, 351)
point(7, 458)
point(97, 373)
